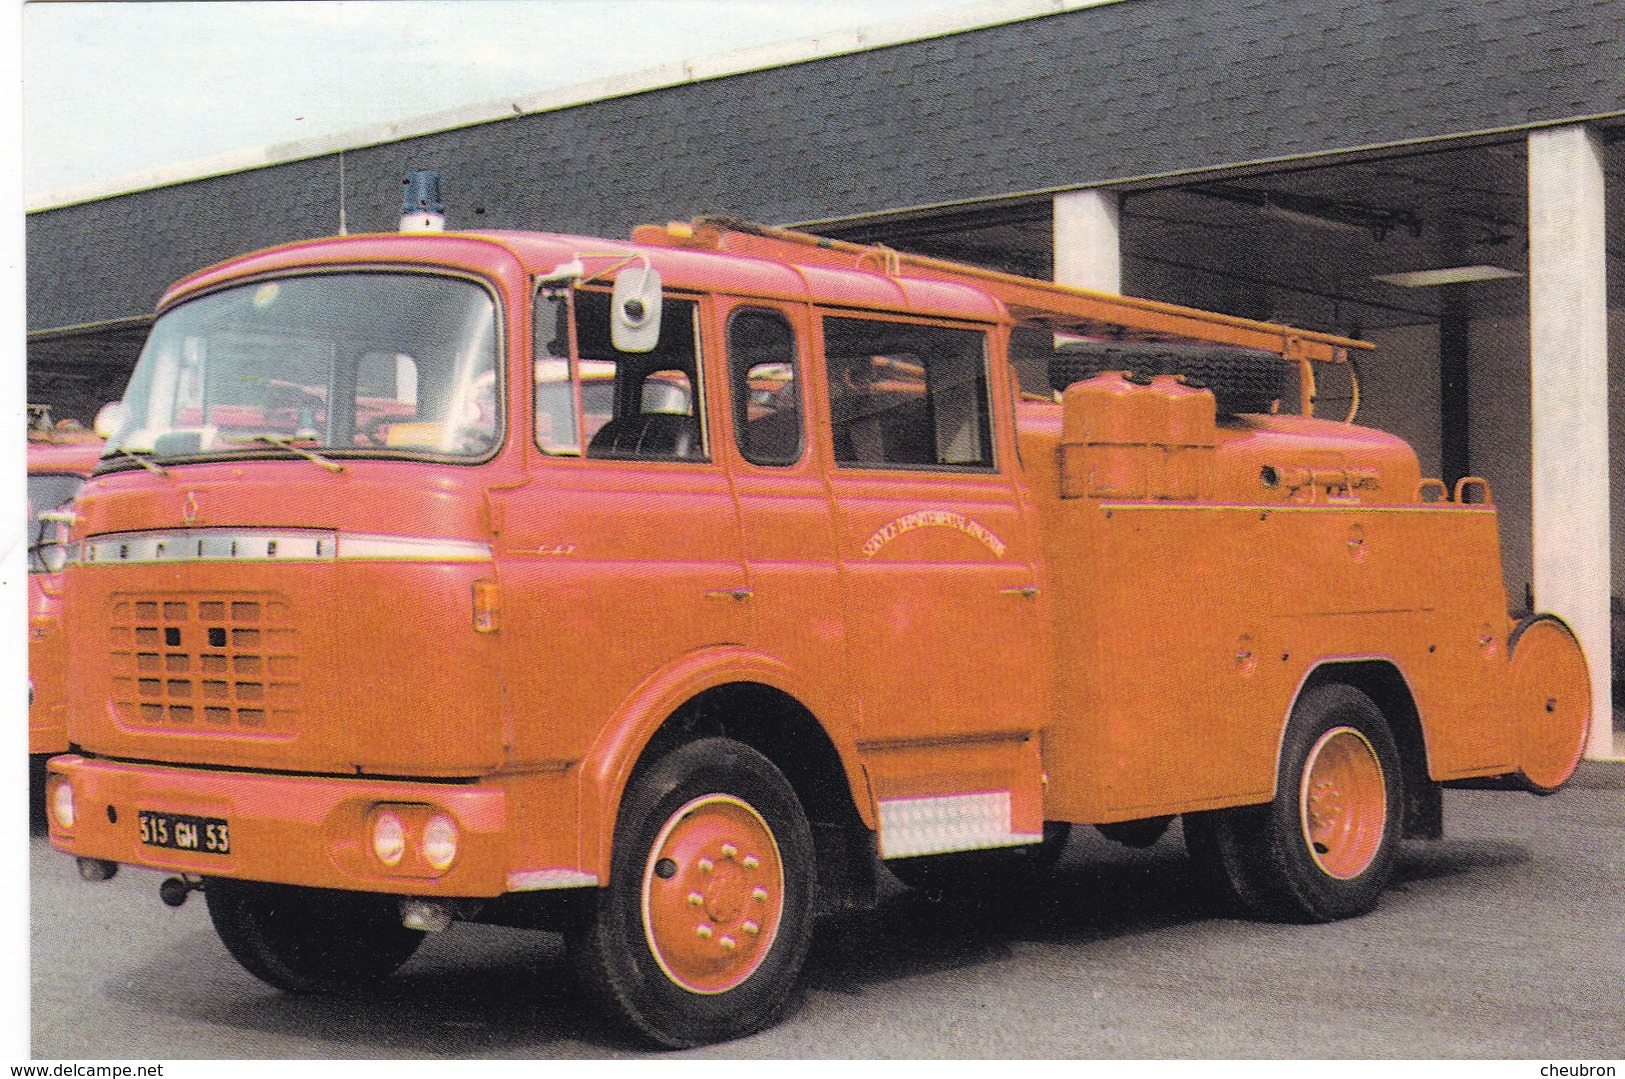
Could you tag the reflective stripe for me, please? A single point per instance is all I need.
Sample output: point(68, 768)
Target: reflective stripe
point(536, 880)
point(257, 545)
point(951, 822)
point(353, 547)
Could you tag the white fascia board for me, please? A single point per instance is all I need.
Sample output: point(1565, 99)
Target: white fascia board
point(738, 62)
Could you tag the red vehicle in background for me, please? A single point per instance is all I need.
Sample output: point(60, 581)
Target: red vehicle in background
point(60, 457)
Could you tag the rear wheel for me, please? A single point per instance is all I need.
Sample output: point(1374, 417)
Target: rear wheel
point(308, 940)
point(1326, 846)
point(702, 931)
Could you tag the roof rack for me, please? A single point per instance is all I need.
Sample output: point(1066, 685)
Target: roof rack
point(1036, 303)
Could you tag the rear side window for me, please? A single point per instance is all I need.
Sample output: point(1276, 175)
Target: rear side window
point(766, 390)
point(905, 395)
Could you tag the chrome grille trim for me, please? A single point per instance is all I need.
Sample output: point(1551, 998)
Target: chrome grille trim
point(260, 545)
point(209, 545)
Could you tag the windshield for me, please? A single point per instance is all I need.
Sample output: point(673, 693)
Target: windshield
point(48, 492)
point(345, 363)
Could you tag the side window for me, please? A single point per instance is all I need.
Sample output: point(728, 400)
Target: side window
point(765, 387)
point(554, 394)
point(633, 406)
point(903, 394)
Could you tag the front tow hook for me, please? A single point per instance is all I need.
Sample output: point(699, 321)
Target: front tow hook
point(174, 890)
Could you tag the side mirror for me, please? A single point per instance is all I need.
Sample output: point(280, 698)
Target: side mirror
point(54, 556)
point(634, 311)
point(113, 418)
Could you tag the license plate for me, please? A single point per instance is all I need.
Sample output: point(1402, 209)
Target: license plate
point(178, 831)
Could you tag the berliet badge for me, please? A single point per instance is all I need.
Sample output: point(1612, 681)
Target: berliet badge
point(189, 509)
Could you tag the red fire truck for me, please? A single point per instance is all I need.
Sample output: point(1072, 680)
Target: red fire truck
point(60, 457)
point(661, 591)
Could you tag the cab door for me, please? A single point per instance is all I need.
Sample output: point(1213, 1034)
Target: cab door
point(943, 613)
point(619, 555)
point(787, 525)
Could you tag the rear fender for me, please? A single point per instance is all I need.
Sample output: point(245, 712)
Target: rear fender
point(1381, 678)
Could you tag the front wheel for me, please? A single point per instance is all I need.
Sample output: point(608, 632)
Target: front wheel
point(701, 933)
point(308, 940)
point(1325, 848)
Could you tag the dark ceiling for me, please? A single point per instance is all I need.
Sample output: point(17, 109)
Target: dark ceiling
point(1299, 244)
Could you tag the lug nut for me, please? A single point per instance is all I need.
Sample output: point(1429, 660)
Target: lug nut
point(706, 865)
point(703, 932)
point(759, 894)
point(751, 927)
point(729, 850)
point(728, 944)
point(750, 861)
point(695, 899)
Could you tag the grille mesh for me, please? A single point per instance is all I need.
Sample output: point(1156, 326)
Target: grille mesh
point(221, 663)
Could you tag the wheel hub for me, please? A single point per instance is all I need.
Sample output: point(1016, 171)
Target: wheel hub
point(1343, 803)
point(1325, 806)
point(713, 893)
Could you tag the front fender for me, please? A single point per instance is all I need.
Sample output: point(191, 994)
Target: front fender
point(609, 761)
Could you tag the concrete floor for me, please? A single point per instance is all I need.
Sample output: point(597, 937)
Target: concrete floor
point(1504, 940)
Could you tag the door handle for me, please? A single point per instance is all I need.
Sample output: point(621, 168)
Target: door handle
point(1026, 591)
point(737, 594)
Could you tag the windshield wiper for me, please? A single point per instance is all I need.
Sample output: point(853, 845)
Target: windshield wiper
point(286, 442)
point(140, 460)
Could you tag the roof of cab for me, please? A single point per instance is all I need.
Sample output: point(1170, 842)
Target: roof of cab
point(683, 269)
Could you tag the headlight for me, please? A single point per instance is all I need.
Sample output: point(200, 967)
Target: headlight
point(439, 842)
point(62, 803)
point(388, 838)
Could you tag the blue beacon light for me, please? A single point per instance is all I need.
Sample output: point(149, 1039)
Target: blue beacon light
point(422, 210)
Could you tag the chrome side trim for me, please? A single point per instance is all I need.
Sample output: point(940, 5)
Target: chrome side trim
point(208, 545)
point(260, 545)
point(536, 880)
point(360, 547)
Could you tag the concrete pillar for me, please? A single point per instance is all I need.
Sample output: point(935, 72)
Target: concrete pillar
point(1568, 361)
point(1087, 247)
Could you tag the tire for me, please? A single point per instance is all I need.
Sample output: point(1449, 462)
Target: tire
point(1325, 848)
point(1549, 701)
point(700, 935)
point(309, 940)
point(979, 869)
point(1242, 379)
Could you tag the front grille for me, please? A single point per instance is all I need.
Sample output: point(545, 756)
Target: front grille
point(225, 662)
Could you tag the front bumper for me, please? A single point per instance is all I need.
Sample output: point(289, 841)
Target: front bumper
point(306, 830)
